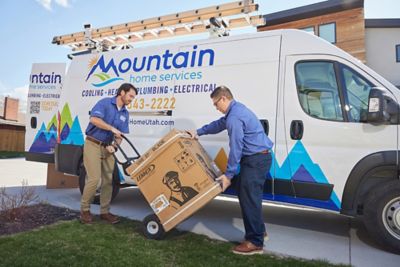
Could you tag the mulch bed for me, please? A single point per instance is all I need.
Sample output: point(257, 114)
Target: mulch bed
point(34, 216)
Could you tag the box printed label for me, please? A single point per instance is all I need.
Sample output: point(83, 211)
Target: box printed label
point(159, 204)
point(184, 160)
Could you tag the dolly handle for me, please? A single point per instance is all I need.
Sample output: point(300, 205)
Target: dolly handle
point(129, 160)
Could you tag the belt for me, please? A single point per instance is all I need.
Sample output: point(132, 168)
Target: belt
point(94, 140)
point(264, 152)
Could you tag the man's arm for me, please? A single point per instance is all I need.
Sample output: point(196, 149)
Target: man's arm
point(213, 127)
point(98, 122)
point(235, 128)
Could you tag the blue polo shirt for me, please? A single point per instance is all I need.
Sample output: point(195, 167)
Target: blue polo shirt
point(246, 134)
point(107, 110)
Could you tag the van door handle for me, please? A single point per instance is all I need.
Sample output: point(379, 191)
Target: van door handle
point(265, 125)
point(296, 130)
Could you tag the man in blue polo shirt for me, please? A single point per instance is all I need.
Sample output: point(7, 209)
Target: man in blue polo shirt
point(108, 118)
point(249, 147)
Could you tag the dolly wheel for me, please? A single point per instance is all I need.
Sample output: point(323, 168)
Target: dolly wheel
point(152, 227)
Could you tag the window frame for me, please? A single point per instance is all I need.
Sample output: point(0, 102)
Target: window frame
point(309, 27)
point(343, 87)
point(339, 88)
point(334, 31)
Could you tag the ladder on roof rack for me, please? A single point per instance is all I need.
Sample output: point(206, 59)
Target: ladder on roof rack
point(225, 16)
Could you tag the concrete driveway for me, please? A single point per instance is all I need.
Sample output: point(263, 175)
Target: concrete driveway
point(303, 233)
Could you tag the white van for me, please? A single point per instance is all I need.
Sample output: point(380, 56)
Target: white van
point(334, 121)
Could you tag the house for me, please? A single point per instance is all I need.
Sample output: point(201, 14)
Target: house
point(376, 42)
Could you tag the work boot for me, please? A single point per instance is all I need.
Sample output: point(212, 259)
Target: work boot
point(247, 248)
point(110, 218)
point(86, 217)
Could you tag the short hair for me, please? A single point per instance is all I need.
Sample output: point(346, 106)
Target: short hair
point(171, 175)
point(222, 91)
point(126, 87)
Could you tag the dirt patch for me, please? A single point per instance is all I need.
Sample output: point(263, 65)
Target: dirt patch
point(34, 216)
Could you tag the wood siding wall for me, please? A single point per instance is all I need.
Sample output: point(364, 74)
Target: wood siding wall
point(12, 138)
point(350, 29)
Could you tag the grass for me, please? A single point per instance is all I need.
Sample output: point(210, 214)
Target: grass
point(74, 244)
point(9, 154)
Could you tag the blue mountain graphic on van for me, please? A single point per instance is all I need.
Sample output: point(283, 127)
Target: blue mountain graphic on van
point(298, 166)
point(46, 137)
point(44, 140)
point(74, 136)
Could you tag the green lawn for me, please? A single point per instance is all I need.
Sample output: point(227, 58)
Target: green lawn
point(8, 154)
point(73, 244)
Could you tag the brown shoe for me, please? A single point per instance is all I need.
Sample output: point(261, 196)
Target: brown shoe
point(247, 248)
point(110, 218)
point(86, 217)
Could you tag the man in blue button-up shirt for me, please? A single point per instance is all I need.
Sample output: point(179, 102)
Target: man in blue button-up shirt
point(249, 147)
point(108, 118)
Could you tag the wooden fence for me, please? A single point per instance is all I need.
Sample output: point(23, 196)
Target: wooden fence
point(12, 138)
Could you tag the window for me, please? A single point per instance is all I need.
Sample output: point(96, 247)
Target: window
point(317, 90)
point(309, 29)
point(357, 91)
point(397, 53)
point(328, 32)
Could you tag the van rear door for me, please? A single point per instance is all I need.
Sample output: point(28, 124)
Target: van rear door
point(46, 82)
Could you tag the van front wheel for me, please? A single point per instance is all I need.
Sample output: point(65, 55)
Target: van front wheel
point(382, 215)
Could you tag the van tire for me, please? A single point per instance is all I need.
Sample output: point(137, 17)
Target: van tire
point(152, 228)
point(382, 215)
point(96, 199)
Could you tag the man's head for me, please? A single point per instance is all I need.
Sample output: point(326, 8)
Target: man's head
point(221, 97)
point(126, 92)
point(171, 179)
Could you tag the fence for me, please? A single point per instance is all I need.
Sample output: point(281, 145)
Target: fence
point(12, 138)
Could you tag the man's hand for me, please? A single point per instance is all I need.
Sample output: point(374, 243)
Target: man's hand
point(224, 181)
point(116, 132)
point(110, 149)
point(118, 140)
point(193, 134)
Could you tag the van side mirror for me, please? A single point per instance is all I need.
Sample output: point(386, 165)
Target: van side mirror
point(382, 108)
point(375, 106)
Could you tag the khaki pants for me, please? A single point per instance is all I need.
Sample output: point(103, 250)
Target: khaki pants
point(99, 164)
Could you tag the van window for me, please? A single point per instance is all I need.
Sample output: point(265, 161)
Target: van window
point(318, 91)
point(357, 91)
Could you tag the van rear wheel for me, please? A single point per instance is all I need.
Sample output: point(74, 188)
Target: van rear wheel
point(382, 215)
point(83, 179)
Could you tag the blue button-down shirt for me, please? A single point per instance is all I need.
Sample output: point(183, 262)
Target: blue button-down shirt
point(107, 110)
point(246, 134)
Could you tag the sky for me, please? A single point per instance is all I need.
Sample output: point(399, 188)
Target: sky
point(27, 27)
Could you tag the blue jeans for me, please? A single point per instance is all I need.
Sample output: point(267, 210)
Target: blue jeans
point(250, 185)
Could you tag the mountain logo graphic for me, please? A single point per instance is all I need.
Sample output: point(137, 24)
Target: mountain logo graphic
point(103, 77)
point(63, 130)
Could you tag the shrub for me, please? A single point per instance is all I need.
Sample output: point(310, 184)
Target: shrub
point(12, 205)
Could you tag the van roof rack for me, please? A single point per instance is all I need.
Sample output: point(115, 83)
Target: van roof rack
point(215, 19)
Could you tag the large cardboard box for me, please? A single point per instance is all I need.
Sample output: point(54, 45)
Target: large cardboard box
point(177, 177)
point(57, 179)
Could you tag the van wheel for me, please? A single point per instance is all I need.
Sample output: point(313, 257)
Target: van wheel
point(382, 215)
point(152, 228)
point(83, 179)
